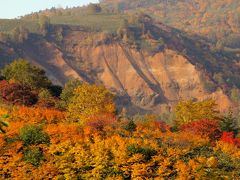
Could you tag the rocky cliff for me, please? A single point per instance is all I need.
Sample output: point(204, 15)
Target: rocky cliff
point(146, 82)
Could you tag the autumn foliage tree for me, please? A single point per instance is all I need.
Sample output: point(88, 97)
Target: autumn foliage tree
point(205, 128)
point(40, 144)
point(90, 100)
point(188, 111)
point(100, 121)
point(45, 98)
point(88, 141)
point(16, 93)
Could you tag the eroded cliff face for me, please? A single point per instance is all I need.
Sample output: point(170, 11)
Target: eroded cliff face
point(152, 83)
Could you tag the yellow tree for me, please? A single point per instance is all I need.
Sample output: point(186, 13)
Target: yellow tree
point(89, 100)
point(188, 111)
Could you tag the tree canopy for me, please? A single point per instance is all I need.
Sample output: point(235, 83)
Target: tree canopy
point(188, 111)
point(23, 72)
point(68, 90)
point(90, 100)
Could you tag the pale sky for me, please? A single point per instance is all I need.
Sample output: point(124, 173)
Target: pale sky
point(14, 8)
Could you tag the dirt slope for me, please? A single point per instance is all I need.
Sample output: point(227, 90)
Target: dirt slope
point(147, 83)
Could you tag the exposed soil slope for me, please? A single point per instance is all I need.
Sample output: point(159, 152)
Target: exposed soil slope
point(144, 82)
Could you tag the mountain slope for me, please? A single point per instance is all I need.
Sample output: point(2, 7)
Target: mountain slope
point(145, 81)
point(219, 21)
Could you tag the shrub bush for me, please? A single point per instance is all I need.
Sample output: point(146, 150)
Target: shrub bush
point(45, 98)
point(33, 156)
point(130, 126)
point(16, 93)
point(100, 121)
point(228, 137)
point(31, 135)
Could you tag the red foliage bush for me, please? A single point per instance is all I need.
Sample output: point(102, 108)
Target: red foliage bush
point(205, 128)
point(17, 93)
point(3, 83)
point(99, 122)
point(228, 137)
point(50, 103)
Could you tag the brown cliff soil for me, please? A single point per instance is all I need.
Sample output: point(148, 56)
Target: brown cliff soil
point(151, 83)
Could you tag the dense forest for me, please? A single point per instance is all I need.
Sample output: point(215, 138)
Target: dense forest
point(123, 89)
point(76, 133)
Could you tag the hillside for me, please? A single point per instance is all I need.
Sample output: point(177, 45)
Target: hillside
point(176, 69)
point(194, 16)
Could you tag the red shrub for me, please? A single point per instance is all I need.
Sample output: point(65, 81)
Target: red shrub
point(3, 84)
point(17, 94)
point(228, 137)
point(99, 122)
point(205, 127)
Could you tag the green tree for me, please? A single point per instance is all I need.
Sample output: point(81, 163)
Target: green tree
point(33, 135)
point(55, 90)
point(68, 90)
point(228, 123)
point(188, 111)
point(33, 156)
point(90, 100)
point(25, 73)
point(130, 126)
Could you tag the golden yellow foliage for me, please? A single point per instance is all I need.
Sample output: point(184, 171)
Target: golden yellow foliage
point(188, 111)
point(89, 100)
point(79, 152)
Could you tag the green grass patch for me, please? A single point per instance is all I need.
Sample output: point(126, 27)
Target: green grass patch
point(7, 25)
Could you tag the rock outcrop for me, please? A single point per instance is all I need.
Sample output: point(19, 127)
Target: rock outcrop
point(147, 83)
